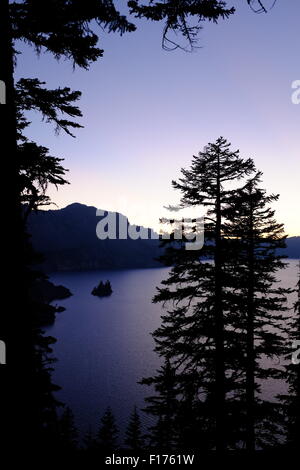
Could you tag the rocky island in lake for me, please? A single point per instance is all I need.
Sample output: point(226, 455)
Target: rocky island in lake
point(103, 289)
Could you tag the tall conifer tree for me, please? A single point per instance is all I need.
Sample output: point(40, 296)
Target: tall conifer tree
point(108, 432)
point(259, 305)
point(194, 333)
point(134, 439)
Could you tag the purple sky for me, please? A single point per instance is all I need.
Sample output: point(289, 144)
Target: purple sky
point(147, 111)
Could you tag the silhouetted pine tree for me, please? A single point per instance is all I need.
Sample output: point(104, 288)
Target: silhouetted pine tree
point(134, 437)
point(61, 28)
point(163, 406)
point(258, 304)
point(68, 434)
point(193, 419)
point(193, 331)
point(107, 436)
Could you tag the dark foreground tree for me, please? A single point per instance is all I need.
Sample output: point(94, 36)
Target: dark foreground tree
point(68, 434)
point(61, 28)
point(134, 438)
point(258, 305)
point(107, 436)
point(194, 334)
point(163, 407)
point(226, 314)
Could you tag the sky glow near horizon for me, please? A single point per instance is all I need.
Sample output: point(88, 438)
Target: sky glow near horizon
point(147, 111)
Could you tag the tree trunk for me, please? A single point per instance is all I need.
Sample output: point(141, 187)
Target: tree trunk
point(15, 324)
point(220, 364)
point(250, 372)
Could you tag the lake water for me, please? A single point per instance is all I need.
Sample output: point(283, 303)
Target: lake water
point(104, 346)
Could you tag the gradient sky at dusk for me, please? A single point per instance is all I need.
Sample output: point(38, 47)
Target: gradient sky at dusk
point(147, 111)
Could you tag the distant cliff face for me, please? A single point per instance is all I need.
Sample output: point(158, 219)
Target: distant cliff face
point(67, 239)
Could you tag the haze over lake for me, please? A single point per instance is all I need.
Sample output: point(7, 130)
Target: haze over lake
point(104, 345)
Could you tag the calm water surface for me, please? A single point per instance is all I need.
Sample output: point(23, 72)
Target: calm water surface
point(104, 346)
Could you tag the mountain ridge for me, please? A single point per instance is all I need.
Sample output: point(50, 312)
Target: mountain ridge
point(67, 239)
